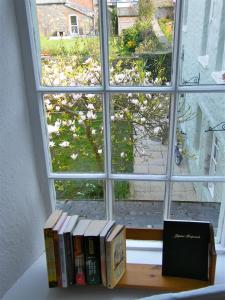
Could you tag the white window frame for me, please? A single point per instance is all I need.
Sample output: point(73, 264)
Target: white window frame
point(75, 26)
point(32, 71)
point(208, 17)
point(213, 163)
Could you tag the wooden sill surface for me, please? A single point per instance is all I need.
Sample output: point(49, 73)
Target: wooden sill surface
point(149, 276)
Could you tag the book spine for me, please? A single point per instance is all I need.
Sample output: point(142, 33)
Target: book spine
point(78, 245)
point(69, 258)
point(109, 263)
point(50, 257)
point(63, 261)
point(57, 258)
point(92, 260)
point(103, 261)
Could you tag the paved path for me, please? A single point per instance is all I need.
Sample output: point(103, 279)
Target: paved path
point(160, 35)
point(153, 161)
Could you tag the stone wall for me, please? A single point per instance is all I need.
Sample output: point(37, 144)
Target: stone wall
point(55, 18)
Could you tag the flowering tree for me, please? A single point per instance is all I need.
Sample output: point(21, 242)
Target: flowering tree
point(75, 121)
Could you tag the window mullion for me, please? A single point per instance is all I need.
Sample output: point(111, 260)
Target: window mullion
point(106, 107)
point(173, 108)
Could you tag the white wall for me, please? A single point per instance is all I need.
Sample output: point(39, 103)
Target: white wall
point(23, 208)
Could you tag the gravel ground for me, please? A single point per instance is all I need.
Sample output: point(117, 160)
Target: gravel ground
point(144, 213)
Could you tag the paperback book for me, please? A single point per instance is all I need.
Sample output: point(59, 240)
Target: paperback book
point(115, 255)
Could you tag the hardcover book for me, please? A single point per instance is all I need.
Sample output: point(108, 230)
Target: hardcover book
point(49, 247)
point(92, 251)
point(103, 235)
point(78, 248)
point(115, 255)
point(186, 249)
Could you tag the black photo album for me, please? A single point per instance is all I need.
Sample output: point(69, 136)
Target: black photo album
point(186, 249)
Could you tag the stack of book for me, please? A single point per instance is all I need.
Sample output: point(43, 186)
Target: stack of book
point(81, 251)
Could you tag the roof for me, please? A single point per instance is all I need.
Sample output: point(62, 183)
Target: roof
point(163, 3)
point(83, 10)
point(127, 9)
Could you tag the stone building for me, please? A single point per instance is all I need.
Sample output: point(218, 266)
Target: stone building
point(66, 18)
point(203, 62)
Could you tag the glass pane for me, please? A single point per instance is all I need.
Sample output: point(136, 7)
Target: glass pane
point(75, 131)
point(81, 197)
point(199, 201)
point(139, 133)
point(200, 145)
point(139, 203)
point(140, 42)
point(202, 58)
point(69, 43)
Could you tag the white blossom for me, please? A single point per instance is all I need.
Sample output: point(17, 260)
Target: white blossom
point(49, 106)
point(100, 151)
point(57, 108)
point(91, 115)
point(76, 96)
point(143, 119)
point(64, 144)
point(90, 95)
point(87, 61)
point(90, 106)
point(73, 128)
point(156, 130)
point(53, 129)
point(135, 101)
point(56, 81)
point(112, 118)
point(74, 156)
point(119, 77)
point(122, 154)
point(62, 76)
point(69, 69)
point(51, 144)
point(93, 131)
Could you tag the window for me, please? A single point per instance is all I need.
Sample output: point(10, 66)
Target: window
point(114, 108)
point(74, 25)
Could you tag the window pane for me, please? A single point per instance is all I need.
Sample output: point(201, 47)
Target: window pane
point(70, 44)
point(75, 131)
point(139, 132)
point(194, 201)
point(82, 197)
point(202, 44)
point(139, 203)
point(140, 42)
point(200, 146)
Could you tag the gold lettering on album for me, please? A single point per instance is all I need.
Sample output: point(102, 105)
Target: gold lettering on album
point(186, 236)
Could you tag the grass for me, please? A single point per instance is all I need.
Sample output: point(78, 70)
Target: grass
point(76, 46)
point(166, 26)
